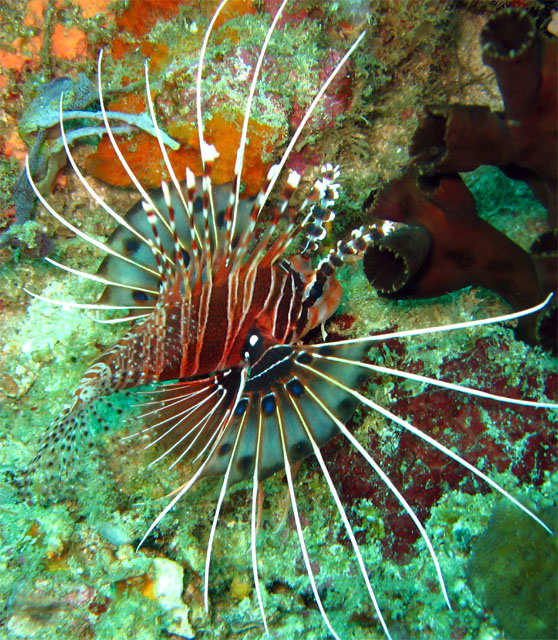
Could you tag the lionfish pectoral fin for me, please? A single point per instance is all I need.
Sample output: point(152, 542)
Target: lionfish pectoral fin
point(58, 446)
point(188, 418)
point(316, 371)
point(274, 388)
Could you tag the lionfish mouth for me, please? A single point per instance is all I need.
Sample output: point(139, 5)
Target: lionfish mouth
point(219, 309)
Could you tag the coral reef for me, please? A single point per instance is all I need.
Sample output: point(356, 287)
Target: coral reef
point(486, 433)
point(147, 29)
point(68, 568)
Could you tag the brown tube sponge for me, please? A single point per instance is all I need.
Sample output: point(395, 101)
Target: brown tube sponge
point(512, 47)
point(523, 140)
point(391, 262)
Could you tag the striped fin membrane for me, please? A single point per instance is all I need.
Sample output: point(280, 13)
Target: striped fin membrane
point(281, 400)
point(276, 378)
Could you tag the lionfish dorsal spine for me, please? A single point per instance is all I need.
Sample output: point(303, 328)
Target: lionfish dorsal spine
point(187, 205)
point(161, 258)
point(242, 244)
point(320, 203)
point(179, 251)
point(208, 154)
point(263, 252)
point(239, 162)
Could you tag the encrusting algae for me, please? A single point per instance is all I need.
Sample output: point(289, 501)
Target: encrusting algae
point(69, 565)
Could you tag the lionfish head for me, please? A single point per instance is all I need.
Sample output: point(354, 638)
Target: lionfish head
point(221, 292)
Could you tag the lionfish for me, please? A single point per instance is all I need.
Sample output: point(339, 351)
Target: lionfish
point(220, 308)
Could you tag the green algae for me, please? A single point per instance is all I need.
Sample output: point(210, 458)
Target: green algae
point(508, 205)
point(9, 170)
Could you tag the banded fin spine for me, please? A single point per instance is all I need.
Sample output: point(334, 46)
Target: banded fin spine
point(243, 136)
point(324, 192)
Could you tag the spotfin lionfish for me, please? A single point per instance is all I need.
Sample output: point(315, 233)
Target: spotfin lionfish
point(219, 310)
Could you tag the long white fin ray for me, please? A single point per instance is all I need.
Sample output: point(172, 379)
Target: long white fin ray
point(424, 436)
point(84, 236)
point(461, 388)
point(83, 305)
point(469, 324)
point(243, 136)
point(120, 219)
point(308, 114)
point(186, 205)
point(220, 499)
point(298, 525)
point(253, 520)
point(344, 518)
point(144, 194)
point(96, 278)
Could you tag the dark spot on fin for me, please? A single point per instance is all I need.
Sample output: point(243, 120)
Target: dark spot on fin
point(300, 450)
point(220, 219)
point(304, 358)
point(131, 246)
point(268, 404)
point(140, 296)
point(295, 387)
point(245, 465)
point(241, 407)
point(224, 449)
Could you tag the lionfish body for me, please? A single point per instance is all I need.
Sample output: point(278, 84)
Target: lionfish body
point(219, 309)
point(256, 301)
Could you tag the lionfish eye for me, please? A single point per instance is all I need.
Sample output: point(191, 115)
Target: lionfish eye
point(254, 346)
